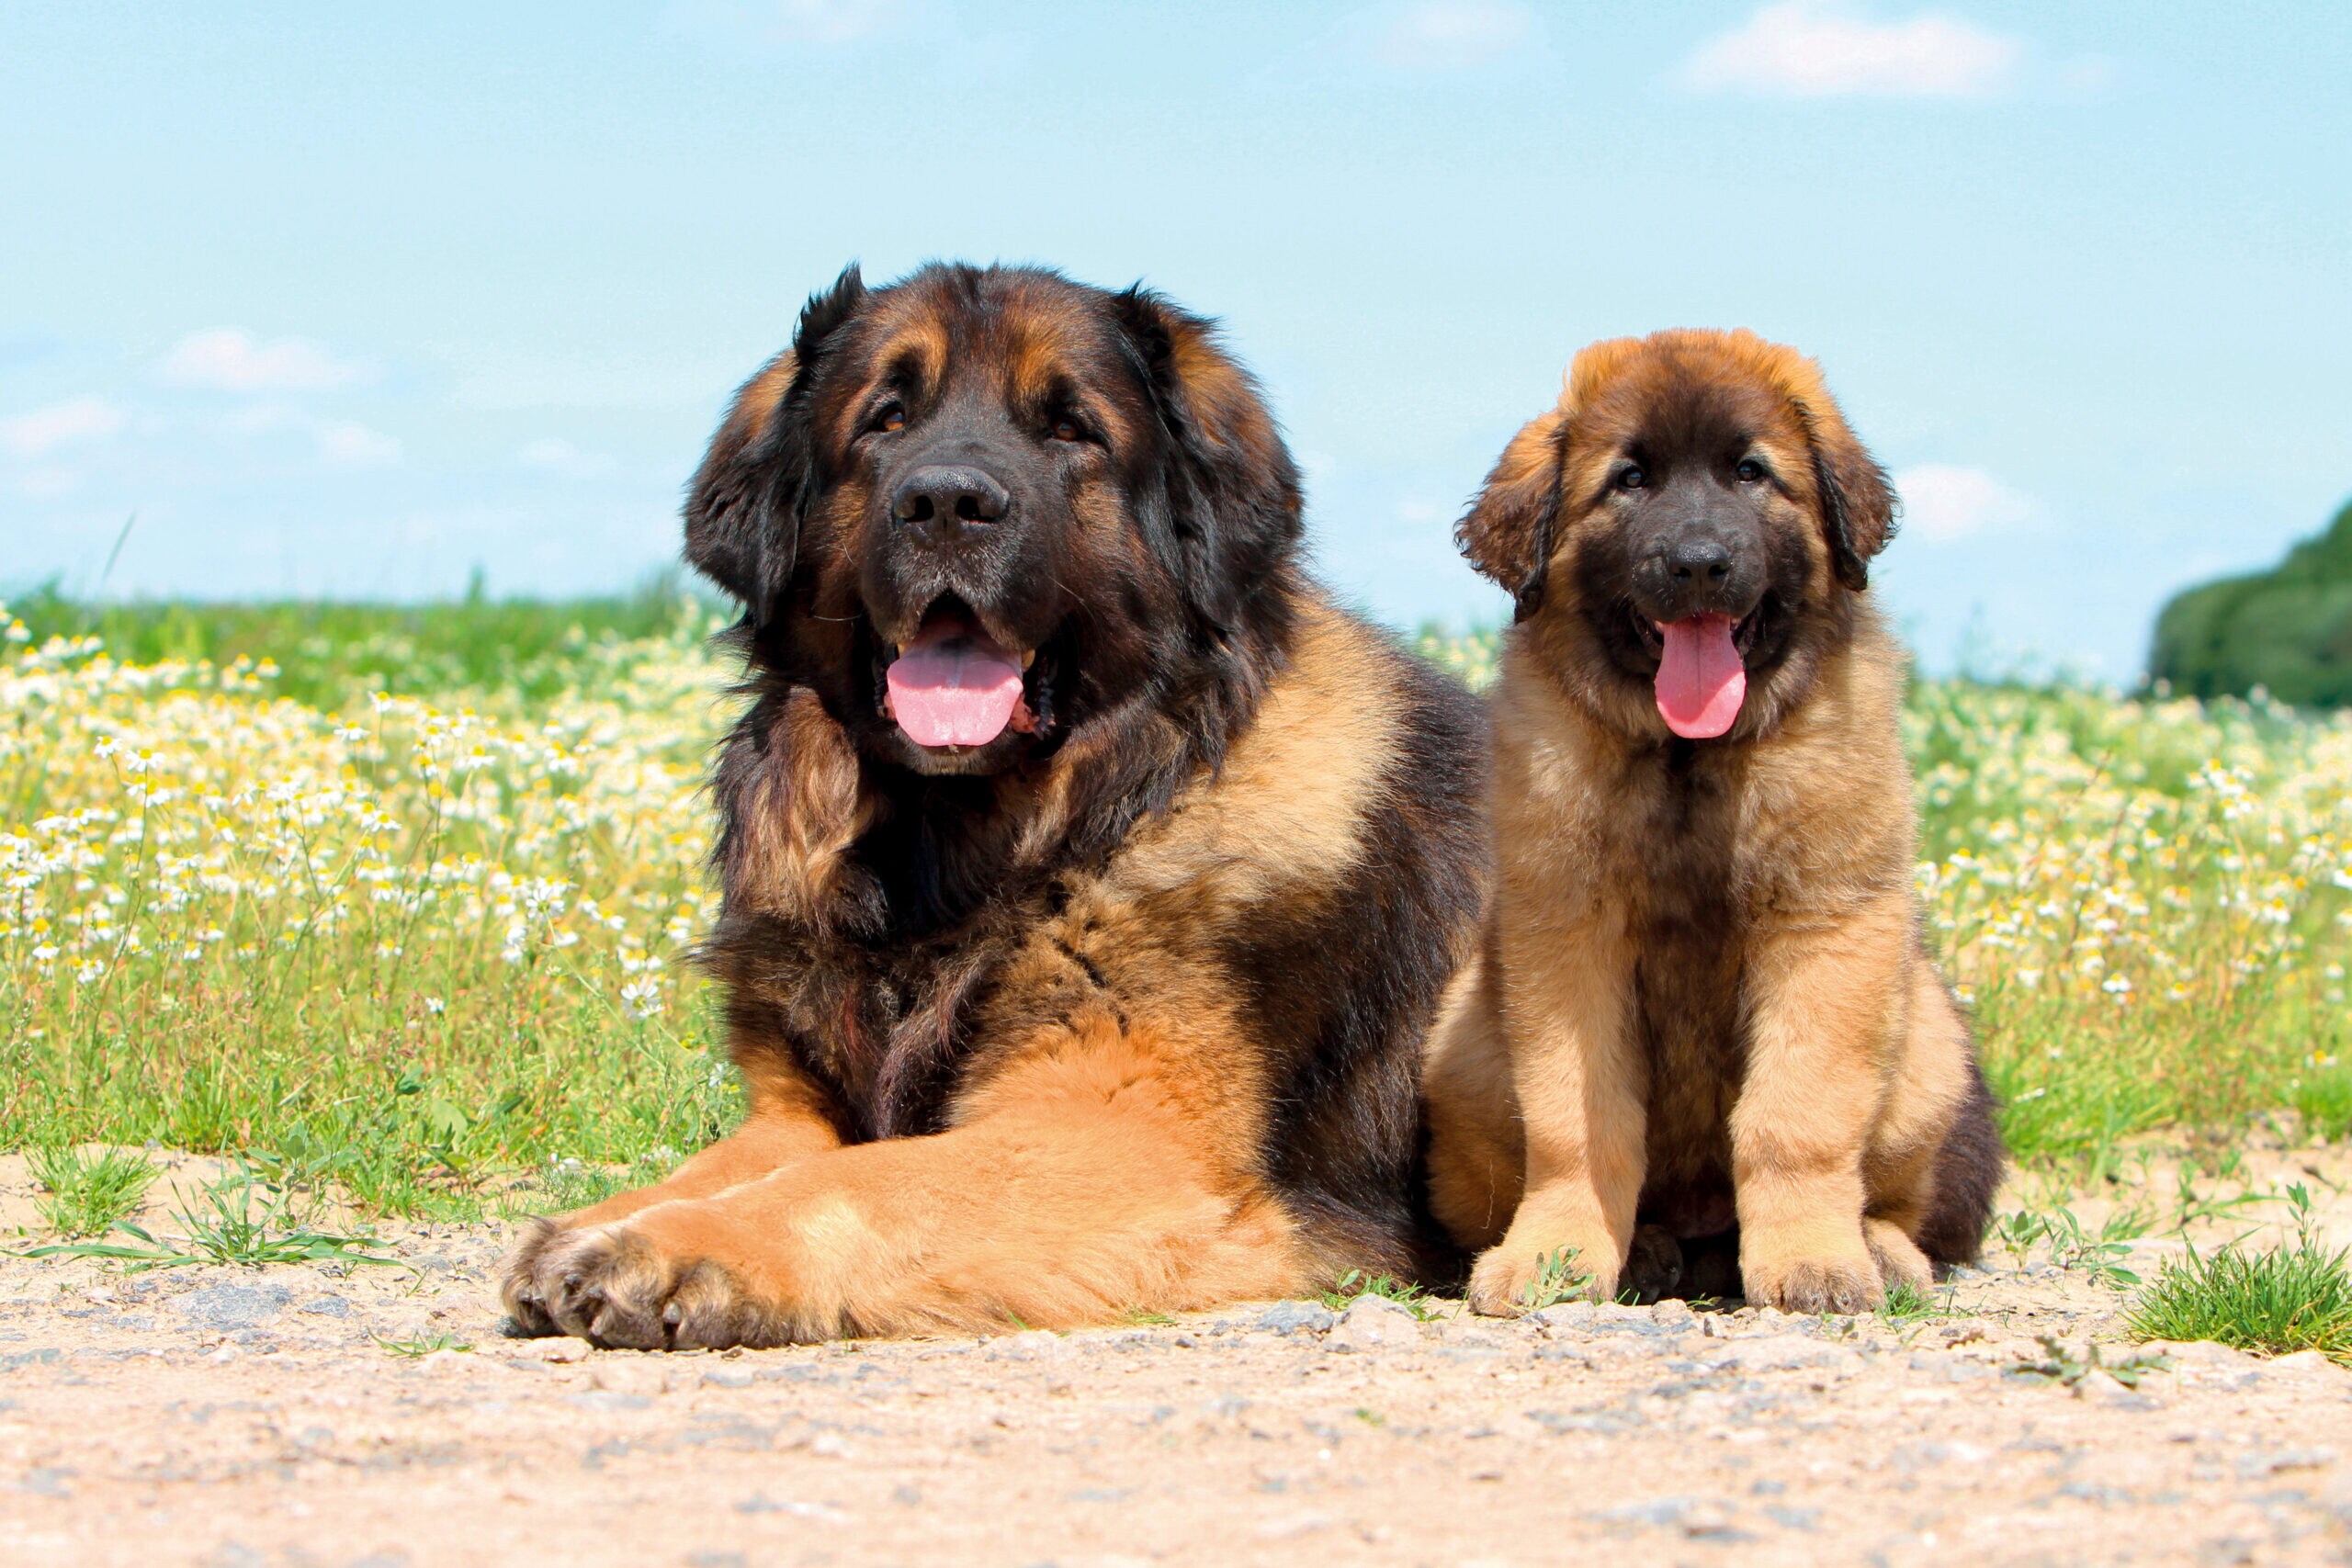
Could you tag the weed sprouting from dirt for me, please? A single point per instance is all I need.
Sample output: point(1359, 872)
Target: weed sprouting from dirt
point(1906, 1303)
point(89, 1193)
point(2073, 1245)
point(2060, 1365)
point(245, 1217)
point(2276, 1301)
point(425, 1344)
point(1557, 1278)
point(1355, 1284)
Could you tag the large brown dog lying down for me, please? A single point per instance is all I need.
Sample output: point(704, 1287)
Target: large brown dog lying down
point(1704, 1008)
point(1089, 881)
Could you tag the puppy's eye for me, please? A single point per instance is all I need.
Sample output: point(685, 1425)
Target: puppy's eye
point(1630, 477)
point(1065, 429)
point(1749, 470)
point(889, 417)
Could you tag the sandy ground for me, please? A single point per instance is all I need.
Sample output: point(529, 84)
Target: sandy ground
point(234, 1417)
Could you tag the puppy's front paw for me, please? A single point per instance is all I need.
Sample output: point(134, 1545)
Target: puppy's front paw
point(618, 1287)
point(1899, 1259)
point(1813, 1285)
point(1513, 1278)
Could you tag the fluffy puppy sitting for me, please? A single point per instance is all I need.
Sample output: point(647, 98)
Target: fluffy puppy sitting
point(1703, 1012)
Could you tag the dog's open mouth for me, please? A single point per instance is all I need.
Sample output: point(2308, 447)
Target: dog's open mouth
point(955, 685)
point(1701, 671)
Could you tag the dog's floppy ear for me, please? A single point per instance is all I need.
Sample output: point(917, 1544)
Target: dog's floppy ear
point(1858, 502)
point(1508, 531)
point(1233, 491)
point(744, 508)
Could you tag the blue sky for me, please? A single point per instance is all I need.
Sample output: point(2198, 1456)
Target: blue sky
point(350, 299)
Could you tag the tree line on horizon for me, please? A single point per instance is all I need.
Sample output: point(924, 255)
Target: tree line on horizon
point(2286, 630)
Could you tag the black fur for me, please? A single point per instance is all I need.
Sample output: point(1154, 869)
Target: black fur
point(1346, 991)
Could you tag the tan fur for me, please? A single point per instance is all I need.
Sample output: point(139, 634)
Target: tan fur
point(1294, 790)
point(1550, 1114)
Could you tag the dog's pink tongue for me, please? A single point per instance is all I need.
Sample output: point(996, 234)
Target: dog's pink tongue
point(1700, 680)
point(954, 686)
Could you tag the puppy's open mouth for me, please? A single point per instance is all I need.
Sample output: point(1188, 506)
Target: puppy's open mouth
point(954, 685)
point(1701, 671)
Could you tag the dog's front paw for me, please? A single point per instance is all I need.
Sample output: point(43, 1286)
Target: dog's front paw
point(1899, 1259)
point(1813, 1285)
point(618, 1287)
point(518, 1285)
point(1513, 1278)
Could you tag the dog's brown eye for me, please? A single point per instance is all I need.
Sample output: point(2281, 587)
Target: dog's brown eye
point(1749, 470)
point(1066, 430)
point(889, 417)
point(1631, 479)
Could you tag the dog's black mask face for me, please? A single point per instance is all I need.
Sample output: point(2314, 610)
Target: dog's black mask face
point(986, 508)
point(1687, 529)
point(1700, 521)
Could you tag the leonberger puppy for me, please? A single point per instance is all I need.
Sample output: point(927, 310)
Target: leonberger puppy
point(1704, 1017)
point(1089, 878)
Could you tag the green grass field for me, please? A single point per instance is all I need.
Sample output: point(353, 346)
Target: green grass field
point(401, 898)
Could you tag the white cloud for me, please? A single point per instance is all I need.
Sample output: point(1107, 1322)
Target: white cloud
point(88, 418)
point(558, 457)
point(343, 444)
point(338, 442)
point(1942, 501)
point(229, 359)
point(819, 22)
point(1813, 49)
point(834, 21)
point(1448, 35)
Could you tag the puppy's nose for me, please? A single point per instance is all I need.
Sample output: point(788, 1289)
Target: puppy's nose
point(942, 499)
point(1698, 559)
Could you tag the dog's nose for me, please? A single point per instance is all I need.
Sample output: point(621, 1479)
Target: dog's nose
point(942, 499)
point(1696, 559)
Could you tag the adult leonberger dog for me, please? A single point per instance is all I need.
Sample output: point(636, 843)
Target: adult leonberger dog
point(1090, 880)
point(1703, 1019)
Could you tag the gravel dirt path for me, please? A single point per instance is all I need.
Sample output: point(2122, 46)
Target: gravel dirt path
point(235, 1417)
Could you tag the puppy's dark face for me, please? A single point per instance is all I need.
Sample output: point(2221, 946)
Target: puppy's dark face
point(1688, 528)
point(976, 509)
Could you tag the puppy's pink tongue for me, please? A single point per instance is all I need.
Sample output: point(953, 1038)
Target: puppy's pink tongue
point(954, 686)
point(1700, 680)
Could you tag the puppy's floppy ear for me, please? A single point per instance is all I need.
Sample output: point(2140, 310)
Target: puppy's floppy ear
point(1858, 503)
point(1508, 531)
point(1233, 491)
point(744, 508)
